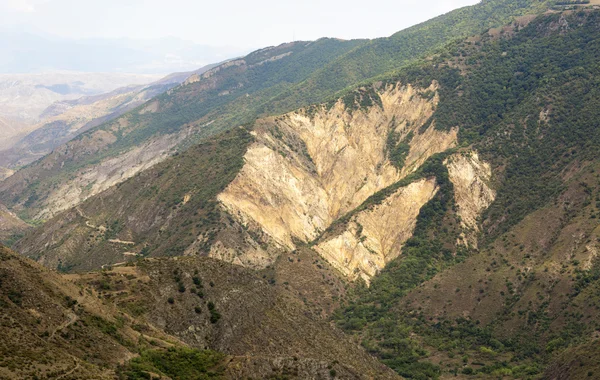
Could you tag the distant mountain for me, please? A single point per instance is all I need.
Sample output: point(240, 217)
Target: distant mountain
point(66, 119)
point(199, 107)
point(11, 130)
point(28, 53)
point(25, 96)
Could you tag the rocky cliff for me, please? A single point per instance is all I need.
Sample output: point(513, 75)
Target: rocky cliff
point(310, 167)
point(304, 178)
point(374, 237)
point(471, 179)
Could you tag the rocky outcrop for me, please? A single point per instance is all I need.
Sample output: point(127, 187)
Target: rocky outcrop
point(472, 192)
point(374, 237)
point(310, 167)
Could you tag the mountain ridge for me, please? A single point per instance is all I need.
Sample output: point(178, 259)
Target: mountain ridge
point(444, 216)
point(276, 87)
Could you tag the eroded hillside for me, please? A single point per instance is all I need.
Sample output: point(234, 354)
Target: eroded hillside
point(285, 184)
point(270, 81)
point(202, 106)
point(512, 291)
point(471, 178)
point(464, 192)
point(310, 167)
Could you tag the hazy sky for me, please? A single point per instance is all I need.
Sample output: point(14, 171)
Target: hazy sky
point(239, 23)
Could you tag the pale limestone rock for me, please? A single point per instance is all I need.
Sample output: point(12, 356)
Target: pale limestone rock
point(310, 167)
point(472, 192)
point(375, 237)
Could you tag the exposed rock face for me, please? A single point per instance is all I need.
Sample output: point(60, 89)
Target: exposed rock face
point(374, 237)
point(310, 167)
point(473, 195)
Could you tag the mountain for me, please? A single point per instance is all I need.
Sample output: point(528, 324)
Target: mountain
point(162, 317)
point(52, 328)
point(25, 96)
point(267, 82)
point(64, 120)
point(115, 151)
point(11, 227)
point(523, 96)
point(455, 201)
point(10, 131)
point(444, 215)
point(170, 209)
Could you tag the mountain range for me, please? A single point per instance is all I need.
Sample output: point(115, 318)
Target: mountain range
point(420, 206)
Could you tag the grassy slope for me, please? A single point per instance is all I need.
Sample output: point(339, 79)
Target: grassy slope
point(50, 327)
point(167, 311)
point(209, 303)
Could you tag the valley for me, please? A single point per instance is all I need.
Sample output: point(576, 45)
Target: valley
point(423, 206)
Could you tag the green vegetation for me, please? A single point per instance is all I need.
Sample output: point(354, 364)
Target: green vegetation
point(177, 363)
point(214, 314)
point(373, 310)
point(526, 98)
point(180, 192)
point(528, 102)
point(398, 150)
point(380, 57)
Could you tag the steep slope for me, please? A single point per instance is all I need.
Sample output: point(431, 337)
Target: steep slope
point(209, 303)
point(310, 167)
point(487, 263)
point(247, 197)
point(64, 120)
point(578, 362)
point(525, 98)
point(267, 82)
point(115, 151)
point(159, 212)
point(375, 237)
point(471, 178)
point(52, 328)
point(89, 326)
